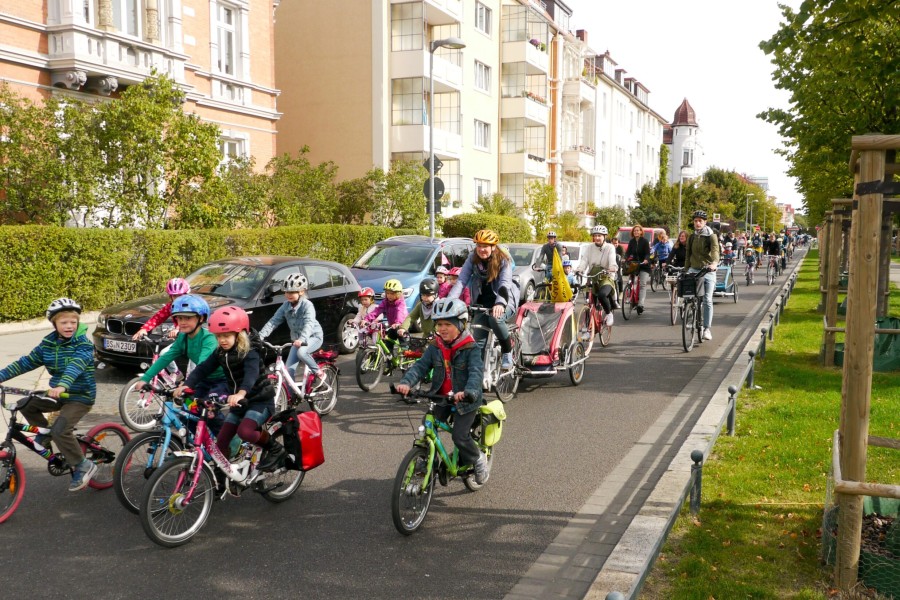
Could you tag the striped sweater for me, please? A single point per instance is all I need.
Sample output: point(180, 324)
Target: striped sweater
point(70, 362)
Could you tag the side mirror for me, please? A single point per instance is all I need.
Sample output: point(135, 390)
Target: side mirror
point(273, 289)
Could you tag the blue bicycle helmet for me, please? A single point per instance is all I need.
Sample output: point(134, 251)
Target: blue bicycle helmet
point(191, 305)
point(567, 263)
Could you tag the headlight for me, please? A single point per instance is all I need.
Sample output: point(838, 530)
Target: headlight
point(407, 292)
point(101, 320)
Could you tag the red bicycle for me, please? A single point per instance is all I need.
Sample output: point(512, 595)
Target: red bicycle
point(593, 318)
point(631, 295)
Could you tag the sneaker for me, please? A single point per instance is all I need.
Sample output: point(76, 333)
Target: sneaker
point(609, 320)
point(82, 475)
point(482, 470)
point(506, 361)
point(614, 304)
point(318, 381)
point(640, 309)
point(707, 334)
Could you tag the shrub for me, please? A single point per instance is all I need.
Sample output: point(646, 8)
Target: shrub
point(510, 229)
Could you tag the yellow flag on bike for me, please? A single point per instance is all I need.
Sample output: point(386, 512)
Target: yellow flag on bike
point(560, 290)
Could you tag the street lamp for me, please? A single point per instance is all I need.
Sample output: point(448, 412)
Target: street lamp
point(453, 43)
point(747, 213)
point(680, 183)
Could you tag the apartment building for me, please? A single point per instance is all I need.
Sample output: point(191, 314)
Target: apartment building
point(219, 51)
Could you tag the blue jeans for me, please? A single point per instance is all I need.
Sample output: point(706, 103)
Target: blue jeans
point(304, 353)
point(708, 289)
point(498, 326)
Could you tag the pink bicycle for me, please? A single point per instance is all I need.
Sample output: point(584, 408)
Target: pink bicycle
point(179, 496)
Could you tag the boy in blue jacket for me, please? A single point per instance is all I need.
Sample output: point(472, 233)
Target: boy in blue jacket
point(68, 356)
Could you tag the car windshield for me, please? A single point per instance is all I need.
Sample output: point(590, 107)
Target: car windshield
point(224, 279)
point(411, 259)
point(521, 256)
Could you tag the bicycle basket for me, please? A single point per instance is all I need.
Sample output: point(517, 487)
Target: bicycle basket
point(631, 267)
point(327, 352)
point(416, 347)
point(687, 285)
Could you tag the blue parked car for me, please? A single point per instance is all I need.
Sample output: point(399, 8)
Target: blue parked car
point(409, 258)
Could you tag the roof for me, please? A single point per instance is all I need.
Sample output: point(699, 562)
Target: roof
point(684, 115)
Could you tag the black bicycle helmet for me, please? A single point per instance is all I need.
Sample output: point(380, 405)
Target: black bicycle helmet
point(699, 214)
point(428, 287)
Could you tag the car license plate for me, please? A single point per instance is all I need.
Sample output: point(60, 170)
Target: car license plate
point(120, 346)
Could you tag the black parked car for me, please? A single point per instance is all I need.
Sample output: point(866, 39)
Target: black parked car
point(254, 284)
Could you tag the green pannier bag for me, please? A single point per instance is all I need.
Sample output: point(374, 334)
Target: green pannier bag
point(492, 416)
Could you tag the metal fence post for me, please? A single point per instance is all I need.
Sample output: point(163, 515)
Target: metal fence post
point(732, 408)
point(696, 481)
point(771, 327)
point(762, 343)
point(750, 372)
point(777, 310)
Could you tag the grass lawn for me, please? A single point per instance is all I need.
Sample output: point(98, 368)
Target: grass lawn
point(758, 531)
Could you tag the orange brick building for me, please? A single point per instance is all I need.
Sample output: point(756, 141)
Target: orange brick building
point(219, 51)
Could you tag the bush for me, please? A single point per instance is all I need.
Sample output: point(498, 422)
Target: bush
point(99, 267)
point(510, 229)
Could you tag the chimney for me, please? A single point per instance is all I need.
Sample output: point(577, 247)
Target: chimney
point(581, 34)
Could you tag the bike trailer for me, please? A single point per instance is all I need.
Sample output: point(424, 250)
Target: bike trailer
point(543, 331)
point(723, 278)
point(492, 416)
point(301, 437)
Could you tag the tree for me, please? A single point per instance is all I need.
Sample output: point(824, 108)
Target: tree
point(302, 192)
point(840, 62)
point(237, 197)
point(568, 227)
point(540, 205)
point(497, 204)
point(398, 200)
point(355, 200)
point(611, 216)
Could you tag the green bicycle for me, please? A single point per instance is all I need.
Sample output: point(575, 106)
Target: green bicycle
point(428, 460)
point(374, 358)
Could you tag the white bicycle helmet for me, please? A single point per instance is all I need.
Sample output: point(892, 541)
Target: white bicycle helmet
point(62, 304)
point(599, 229)
point(449, 308)
point(295, 282)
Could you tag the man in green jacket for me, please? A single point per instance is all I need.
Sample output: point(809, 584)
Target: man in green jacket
point(702, 251)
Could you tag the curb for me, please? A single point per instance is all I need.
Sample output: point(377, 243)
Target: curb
point(88, 318)
point(637, 549)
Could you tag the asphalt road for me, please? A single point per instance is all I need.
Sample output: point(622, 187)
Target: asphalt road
point(335, 538)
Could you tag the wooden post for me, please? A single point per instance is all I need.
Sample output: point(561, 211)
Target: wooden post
point(823, 257)
point(858, 353)
point(884, 267)
point(831, 284)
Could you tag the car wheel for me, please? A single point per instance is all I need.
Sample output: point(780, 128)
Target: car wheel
point(528, 294)
point(348, 337)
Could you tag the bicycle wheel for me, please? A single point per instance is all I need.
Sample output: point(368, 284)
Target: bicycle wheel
point(508, 381)
point(735, 290)
point(369, 366)
point(469, 480)
point(673, 305)
point(136, 463)
point(587, 328)
point(770, 275)
point(165, 517)
point(654, 280)
point(748, 277)
point(138, 409)
point(324, 400)
point(576, 371)
point(13, 490)
point(281, 484)
point(626, 302)
point(605, 331)
point(102, 444)
point(410, 500)
point(687, 325)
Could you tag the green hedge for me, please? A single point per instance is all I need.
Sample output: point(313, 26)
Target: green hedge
point(510, 229)
point(99, 267)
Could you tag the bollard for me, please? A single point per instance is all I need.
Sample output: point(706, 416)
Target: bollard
point(732, 408)
point(762, 344)
point(750, 372)
point(615, 596)
point(777, 310)
point(771, 327)
point(696, 481)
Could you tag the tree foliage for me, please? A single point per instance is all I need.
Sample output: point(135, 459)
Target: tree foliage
point(397, 196)
point(611, 216)
point(497, 204)
point(302, 192)
point(540, 205)
point(840, 62)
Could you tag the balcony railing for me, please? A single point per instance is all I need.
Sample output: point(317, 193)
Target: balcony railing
point(580, 158)
point(581, 89)
point(535, 113)
point(531, 165)
point(448, 77)
point(414, 138)
point(536, 61)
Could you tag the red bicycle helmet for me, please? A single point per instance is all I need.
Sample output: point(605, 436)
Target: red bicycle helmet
point(229, 319)
point(454, 272)
point(366, 292)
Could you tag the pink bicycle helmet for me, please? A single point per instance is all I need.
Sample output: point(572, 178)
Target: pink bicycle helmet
point(366, 292)
point(229, 319)
point(454, 272)
point(178, 287)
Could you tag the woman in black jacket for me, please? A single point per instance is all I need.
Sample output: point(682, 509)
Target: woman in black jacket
point(639, 251)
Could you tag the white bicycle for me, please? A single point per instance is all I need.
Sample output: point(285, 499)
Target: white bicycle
point(290, 391)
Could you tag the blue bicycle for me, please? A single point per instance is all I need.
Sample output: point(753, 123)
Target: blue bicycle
point(147, 451)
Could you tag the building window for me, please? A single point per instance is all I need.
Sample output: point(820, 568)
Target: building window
point(482, 76)
point(512, 136)
point(482, 187)
point(687, 158)
point(232, 148)
point(446, 112)
point(482, 135)
point(482, 18)
point(512, 186)
point(407, 103)
point(407, 27)
point(127, 16)
point(226, 37)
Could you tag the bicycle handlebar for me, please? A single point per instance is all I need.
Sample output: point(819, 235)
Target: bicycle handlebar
point(28, 395)
point(214, 399)
point(438, 399)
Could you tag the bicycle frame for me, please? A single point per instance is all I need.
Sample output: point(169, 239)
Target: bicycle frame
point(17, 431)
point(491, 351)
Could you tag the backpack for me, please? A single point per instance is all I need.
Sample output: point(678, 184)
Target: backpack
point(301, 436)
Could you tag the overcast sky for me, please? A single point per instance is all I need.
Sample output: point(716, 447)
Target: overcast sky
point(708, 52)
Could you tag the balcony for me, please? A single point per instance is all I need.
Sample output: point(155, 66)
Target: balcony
point(522, 162)
point(536, 61)
point(440, 12)
point(523, 107)
point(447, 76)
point(579, 158)
point(580, 89)
point(414, 138)
point(83, 58)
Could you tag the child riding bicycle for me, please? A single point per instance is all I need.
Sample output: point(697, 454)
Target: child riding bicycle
point(69, 357)
point(421, 312)
point(175, 288)
point(393, 307)
point(454, 348)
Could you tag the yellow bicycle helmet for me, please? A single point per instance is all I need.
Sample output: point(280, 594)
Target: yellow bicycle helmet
point(487, 236)
point(393, 285)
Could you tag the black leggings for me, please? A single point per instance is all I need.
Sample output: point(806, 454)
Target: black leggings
point(605, 297)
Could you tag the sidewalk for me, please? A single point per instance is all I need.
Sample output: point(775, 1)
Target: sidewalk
point(88, 318)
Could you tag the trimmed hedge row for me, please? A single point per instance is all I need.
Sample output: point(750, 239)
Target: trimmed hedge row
point(510, 229)
point(99, 267)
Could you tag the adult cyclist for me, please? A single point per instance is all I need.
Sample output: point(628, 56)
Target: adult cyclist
point(596, 258)
point(702, 251)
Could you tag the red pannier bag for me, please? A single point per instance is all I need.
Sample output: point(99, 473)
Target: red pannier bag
point(311, 452)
